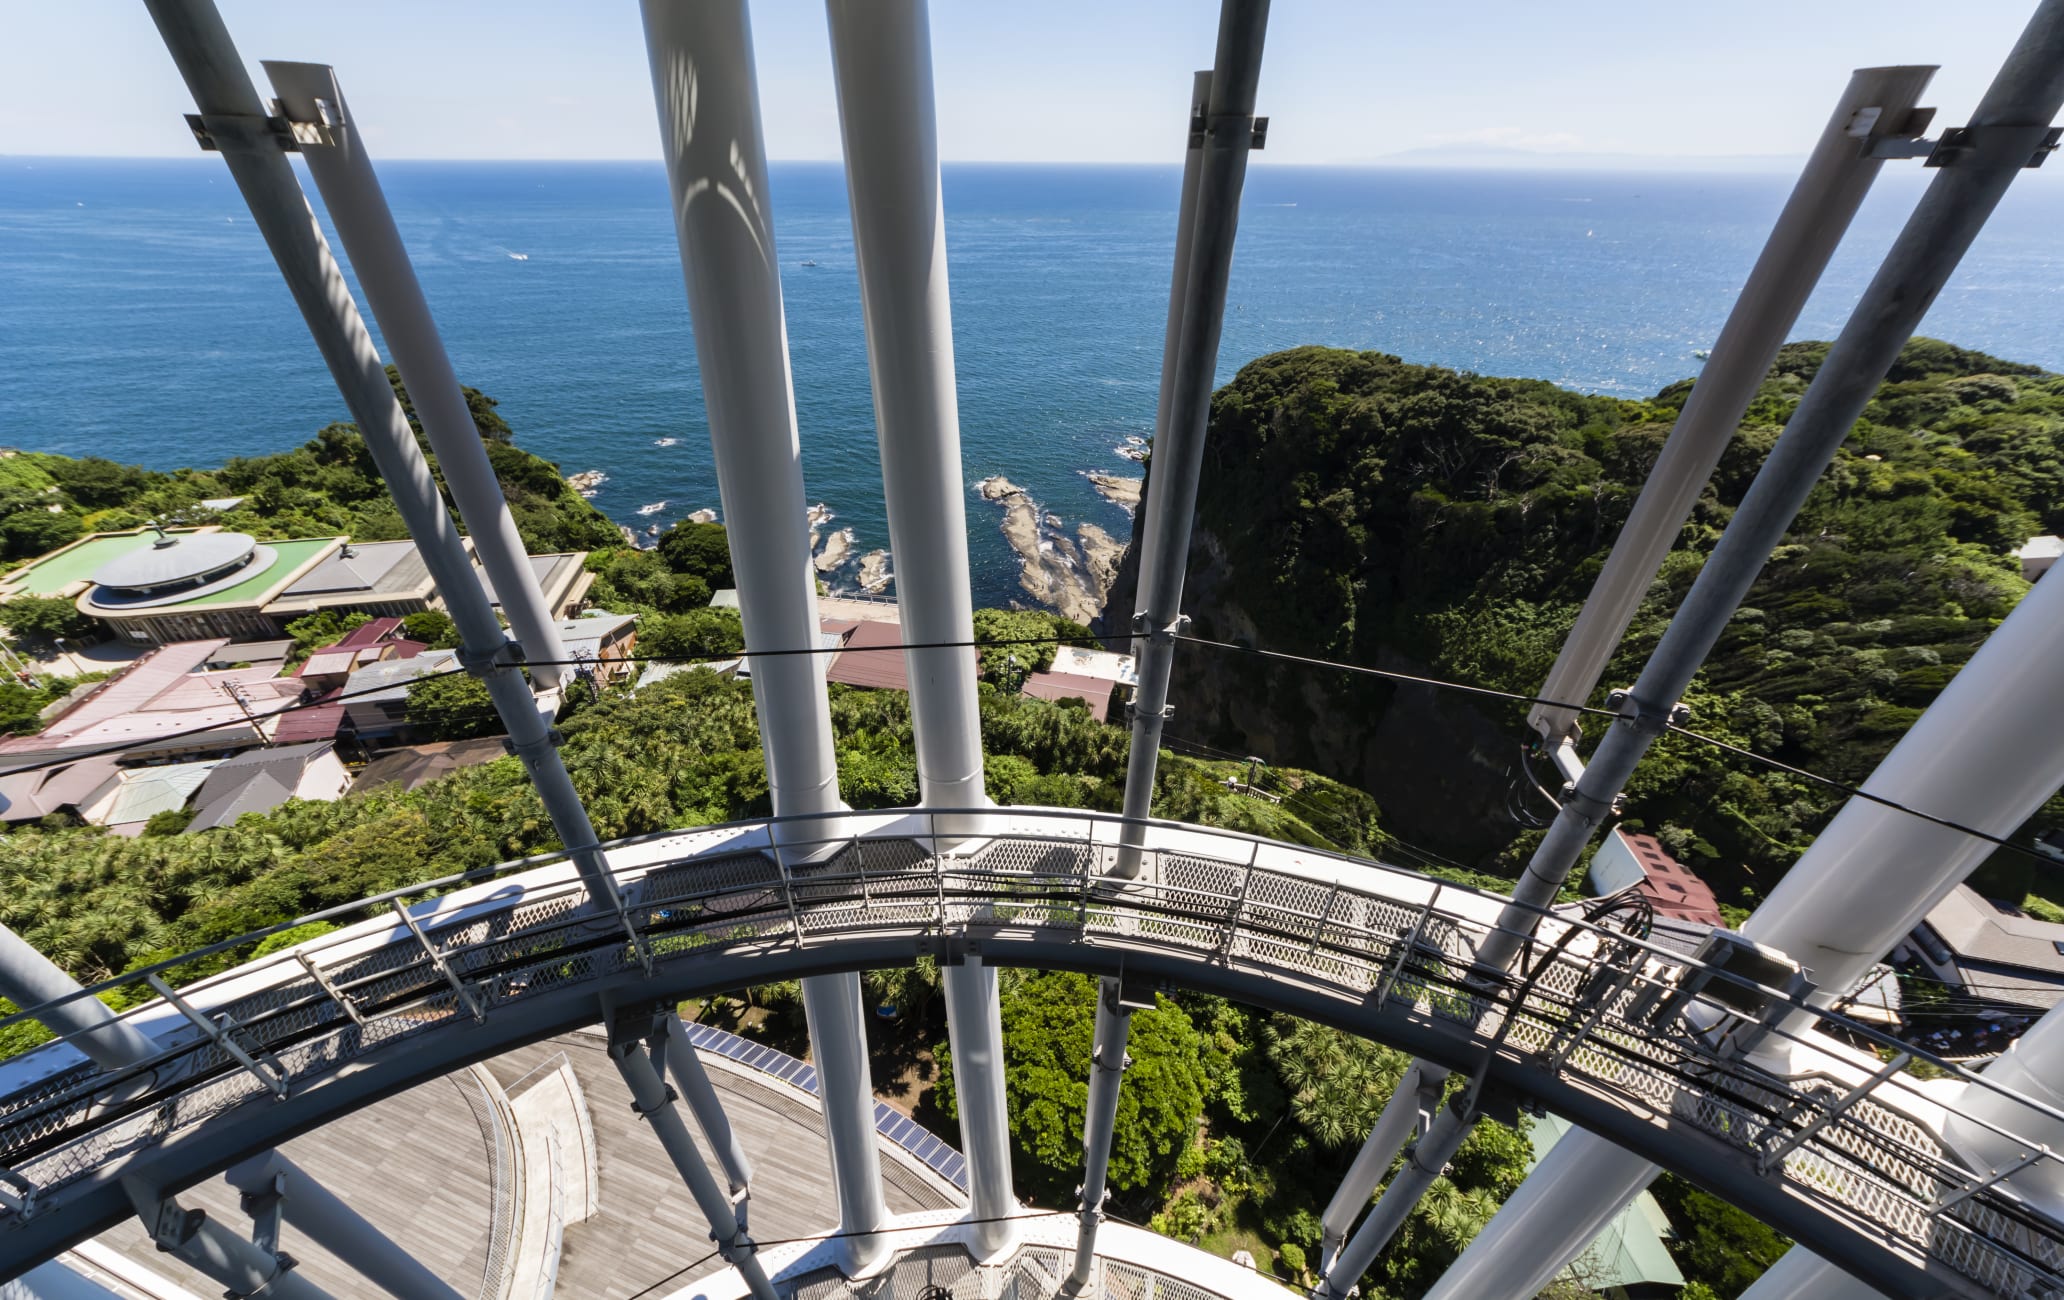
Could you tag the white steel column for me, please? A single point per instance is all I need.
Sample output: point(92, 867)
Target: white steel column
point(272, 1179)
point(1448, 1129)
point(1802, 1275)
point(1986, 754)
point(1878, 104)
point(707, 92)
point(882, 55)
point(882, 59)
point(343, 172)
point(1569, 1198)
point(838, 1049)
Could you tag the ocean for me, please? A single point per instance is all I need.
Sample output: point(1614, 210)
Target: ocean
point(141, 318)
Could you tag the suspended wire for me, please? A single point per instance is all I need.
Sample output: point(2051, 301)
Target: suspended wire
point(1738, 751)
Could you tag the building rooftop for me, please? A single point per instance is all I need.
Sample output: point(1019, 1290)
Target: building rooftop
point(138, 794)
point(359, 570)
point(70, 569)
point(1093, 691)
point(2003, 954)
point(388, 679)
point(257, 780)
point(411, 766)
point(586, 634)
point(252, 585)
point(175, 559)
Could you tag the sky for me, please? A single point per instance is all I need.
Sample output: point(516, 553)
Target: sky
point(1654, 83)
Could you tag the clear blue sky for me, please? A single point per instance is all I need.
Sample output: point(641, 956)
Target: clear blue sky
point(1061, 80)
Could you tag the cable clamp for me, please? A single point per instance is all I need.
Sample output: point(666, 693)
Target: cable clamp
point(1631, 711)
point(645, 1112)
point(1962, 140)
point(242, 133)
point(508, 654)
point(1142, 625)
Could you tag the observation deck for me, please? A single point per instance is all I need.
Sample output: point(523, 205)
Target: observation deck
point(1592, 1025)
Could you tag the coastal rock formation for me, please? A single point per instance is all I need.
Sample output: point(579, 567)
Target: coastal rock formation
point(702, 516)
point(838, 545)
point(587, 482)
point(874, 572)
point(1067, 574)
point(1117, 489)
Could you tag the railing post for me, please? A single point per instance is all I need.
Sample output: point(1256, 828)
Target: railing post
point(438, 963)
point(1405, 951)
point(1791, 1142)
point(231, 1037)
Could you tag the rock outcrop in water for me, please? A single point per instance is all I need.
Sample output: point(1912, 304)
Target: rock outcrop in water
point(1067, 574)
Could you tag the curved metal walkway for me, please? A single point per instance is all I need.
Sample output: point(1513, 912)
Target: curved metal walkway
point(1591, 1025)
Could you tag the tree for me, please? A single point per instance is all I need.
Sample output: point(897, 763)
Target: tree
point(1338, 1083)
point(701, 550)
point(324, 627)
point(31, 532)
point(1048, 1023)
point(44, 618)
point(697, 634)
point(433, 627)
point(452, 707)
point(1717, 1245)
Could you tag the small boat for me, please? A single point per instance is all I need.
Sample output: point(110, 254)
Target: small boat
point(652, 509)
point(664, 442)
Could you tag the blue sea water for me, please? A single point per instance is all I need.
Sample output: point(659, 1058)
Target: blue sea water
point(141, 318)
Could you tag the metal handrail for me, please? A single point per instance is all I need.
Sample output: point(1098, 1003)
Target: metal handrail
point(1862, 1155)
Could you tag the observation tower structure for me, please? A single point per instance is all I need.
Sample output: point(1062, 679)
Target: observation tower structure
point(1728, 1067)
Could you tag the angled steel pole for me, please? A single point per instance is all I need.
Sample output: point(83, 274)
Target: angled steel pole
point(334, 149)
point(1107, 1062)
point(1179, 456)
point(217, 1252)
point(654, 1102)
point(33, 982)
point(1171, 337)
point(881, 53)
point(1429, 1156)
point(235, 123)
point(1875, 107)
point(1418, 1091)
point(1543, 1226)
point(272, 1181)
point(706, 89)
point(676, 1058)
point(54, 1280)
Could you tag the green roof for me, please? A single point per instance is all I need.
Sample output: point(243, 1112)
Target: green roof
point(1630, 1251)
point(289, 556)
point(78, 562)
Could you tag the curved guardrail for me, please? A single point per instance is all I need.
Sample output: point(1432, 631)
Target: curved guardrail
point(1592, 1025)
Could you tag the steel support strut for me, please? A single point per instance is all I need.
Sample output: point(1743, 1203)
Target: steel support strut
point(37, 985)
point(1107, 1063)
point(1179, 455)
point(882, 62)
point(1425, 1162)
point(1953, 761)
point(675, 1058)
point(272, 1181)
point(334, 149)
point(237, 126)
point(1878, 104)
point(654, 1103)
point(1418, 1092)
point(245, 1270)
point(706, 90)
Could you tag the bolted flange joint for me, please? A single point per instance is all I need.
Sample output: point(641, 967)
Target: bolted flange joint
point(1142, 626)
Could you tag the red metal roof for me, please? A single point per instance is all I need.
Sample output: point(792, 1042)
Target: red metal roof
point(365, 634)
point(872, 656)
point(1095, 691)
point(322, 722)
point(1672, 888)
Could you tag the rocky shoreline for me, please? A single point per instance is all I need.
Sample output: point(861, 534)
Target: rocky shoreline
point(1070, 575)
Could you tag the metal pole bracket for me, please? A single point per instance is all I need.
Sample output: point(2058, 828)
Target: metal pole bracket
point(239, 133)
point(236, 1041)
point(1959, 141)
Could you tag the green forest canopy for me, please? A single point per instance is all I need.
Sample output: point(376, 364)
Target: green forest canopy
point(1375, 511)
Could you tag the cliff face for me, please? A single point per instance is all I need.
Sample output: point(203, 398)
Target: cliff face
point(1441, 765)
point(1357, 509)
